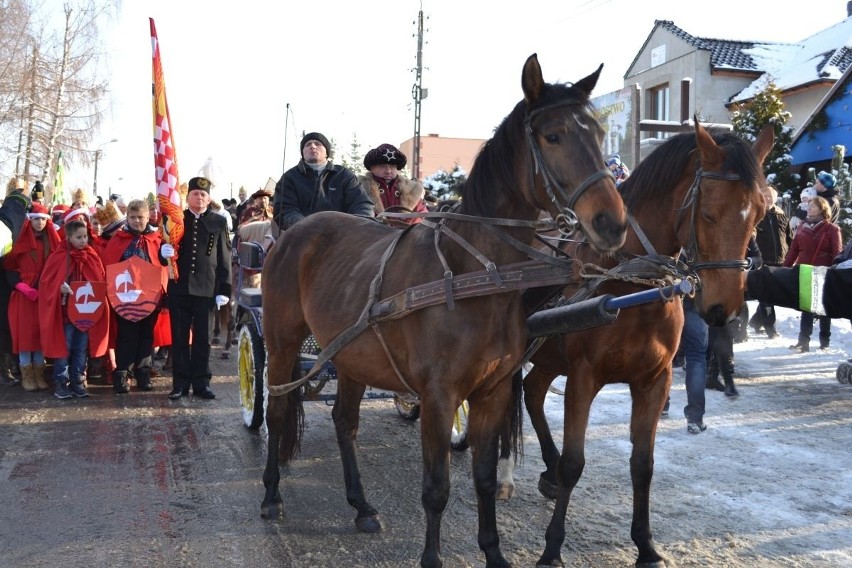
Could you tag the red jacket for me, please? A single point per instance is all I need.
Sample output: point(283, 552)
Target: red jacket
point(816, 245)
point(121, 239)
point(28, 258)
point(63, 263)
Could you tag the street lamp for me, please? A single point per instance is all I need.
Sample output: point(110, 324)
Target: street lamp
point(97, 157)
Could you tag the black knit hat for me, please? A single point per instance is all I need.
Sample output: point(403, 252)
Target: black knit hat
point(199, 183)
point(319, 138)
point(38, 191)
point(385, 154)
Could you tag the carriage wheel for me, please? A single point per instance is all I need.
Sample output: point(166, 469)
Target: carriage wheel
point(458, 440)
point(252, 359)
point(407, 405)
point(844, 373)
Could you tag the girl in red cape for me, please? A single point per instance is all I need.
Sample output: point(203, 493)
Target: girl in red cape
point(24, 265)
point(74, 260)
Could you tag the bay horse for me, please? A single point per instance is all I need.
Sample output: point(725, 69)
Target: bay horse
point(544, 156)
point(698, 193)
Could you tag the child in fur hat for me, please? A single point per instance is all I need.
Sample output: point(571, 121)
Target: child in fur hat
point(386, 185)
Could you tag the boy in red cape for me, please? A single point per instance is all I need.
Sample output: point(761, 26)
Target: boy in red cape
point(24, 265)
point(135, 339)
point(73, 261)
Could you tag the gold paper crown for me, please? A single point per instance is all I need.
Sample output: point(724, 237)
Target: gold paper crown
point(79, 196)
point(108, 214)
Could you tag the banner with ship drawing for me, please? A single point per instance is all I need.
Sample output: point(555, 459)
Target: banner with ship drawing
point(134, 288)
point(86, 303)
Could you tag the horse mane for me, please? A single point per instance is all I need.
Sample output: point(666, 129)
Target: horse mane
point(494, 165)
point(658, 174)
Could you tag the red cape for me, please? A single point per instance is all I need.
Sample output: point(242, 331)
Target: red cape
point(28, 259)
point(58, 267)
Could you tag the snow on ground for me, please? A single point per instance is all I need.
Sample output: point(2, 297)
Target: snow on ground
point(768, 484)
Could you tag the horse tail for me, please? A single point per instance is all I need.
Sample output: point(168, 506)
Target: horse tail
point(516, 421)
point(293, 424)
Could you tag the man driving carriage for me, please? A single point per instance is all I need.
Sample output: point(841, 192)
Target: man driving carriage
point(316, 184)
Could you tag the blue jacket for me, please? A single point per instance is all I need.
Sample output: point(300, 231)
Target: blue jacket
point(301, 192)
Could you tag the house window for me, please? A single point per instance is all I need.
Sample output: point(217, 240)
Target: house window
point(658, 106)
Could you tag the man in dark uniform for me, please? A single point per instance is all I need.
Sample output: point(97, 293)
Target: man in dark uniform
point(203, 282)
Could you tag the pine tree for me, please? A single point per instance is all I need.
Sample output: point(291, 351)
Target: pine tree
point(445, 185)
point(354, 161)
point(767, 107)
point(840, 169)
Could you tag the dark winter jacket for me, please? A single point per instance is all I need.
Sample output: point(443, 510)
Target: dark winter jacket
point(774, 236)
point(301, 192)
point(830, 195)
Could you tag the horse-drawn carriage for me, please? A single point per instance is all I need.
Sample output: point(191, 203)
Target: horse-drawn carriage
point(438, 309)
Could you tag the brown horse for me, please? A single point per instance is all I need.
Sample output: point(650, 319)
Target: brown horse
point(698, 193)
point(544, 156)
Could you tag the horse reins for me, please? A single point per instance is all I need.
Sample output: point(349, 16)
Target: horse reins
point(691, 201)
point(566, 219)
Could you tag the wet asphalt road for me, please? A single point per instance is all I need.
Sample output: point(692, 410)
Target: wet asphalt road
point(139, 480)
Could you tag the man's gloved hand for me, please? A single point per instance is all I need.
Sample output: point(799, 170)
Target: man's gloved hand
point(221, 301)
point(167, 250)
point(27, 290)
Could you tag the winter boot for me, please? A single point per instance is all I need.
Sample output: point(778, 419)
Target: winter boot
point(38, 376)
point(713, 382)
point(119, 382)
point(7, 378)
point(78, 389)
point(824, 342)
point(143, 379)
point(727, 368)
point(28, 379)
point(14, 366)
point(803, 346)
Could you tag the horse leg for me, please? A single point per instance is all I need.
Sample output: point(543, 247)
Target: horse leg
point(505, 470)
point(347, 406)
point(579, 395)
point(436, 419)
point(536, 384)
point(490, 416)
point(647, 405)
point(284, 414)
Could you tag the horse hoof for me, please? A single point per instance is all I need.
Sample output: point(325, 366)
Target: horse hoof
point(370, 524)
point(655, 564)
point(555, 563)
point(547, 489)
point(272, 511)
point(505, 491)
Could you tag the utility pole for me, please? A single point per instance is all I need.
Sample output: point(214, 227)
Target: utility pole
point(418, 93)
point(286, 124)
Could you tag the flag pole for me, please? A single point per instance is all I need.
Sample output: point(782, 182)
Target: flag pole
point(165, 158)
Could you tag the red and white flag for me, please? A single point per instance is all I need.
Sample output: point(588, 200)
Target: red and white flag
point(165, 159)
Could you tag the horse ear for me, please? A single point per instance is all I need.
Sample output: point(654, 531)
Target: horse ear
point(587, 84)
point(710, 152)
point(764, 143)
point(531, 80)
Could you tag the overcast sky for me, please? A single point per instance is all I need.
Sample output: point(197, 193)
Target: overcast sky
point(346, 68)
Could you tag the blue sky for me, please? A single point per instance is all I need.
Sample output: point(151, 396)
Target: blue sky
point(345, 68)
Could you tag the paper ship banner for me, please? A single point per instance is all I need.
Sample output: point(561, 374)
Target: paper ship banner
point(86, 304)
point(134, 288)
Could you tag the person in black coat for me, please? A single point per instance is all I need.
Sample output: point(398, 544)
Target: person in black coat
point(203, 282)
point(774, 236)
point(315, 184)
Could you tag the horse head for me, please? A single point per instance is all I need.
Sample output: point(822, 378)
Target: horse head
point(571, 180)
point(720, 212)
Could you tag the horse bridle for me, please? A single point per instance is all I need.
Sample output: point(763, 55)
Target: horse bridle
point(567, 220)
point(691, 200)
